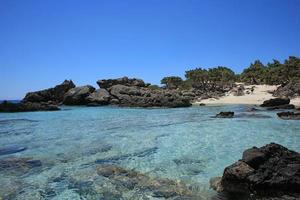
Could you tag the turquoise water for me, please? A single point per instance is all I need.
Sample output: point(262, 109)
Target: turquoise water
point(182, 144)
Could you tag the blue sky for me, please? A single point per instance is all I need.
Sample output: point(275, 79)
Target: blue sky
point(44, 42)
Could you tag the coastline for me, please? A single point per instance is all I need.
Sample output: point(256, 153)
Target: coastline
point(259, 95)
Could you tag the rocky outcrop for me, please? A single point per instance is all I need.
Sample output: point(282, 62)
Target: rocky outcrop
point(107, 83)
point(27, 107)
point(55, 94)
point(99, 97)
point(78, 95)
point(133, 96)
point(290, 90)
point(271, 171)
point(289, 115)
point(275, 102)
point(225, 115)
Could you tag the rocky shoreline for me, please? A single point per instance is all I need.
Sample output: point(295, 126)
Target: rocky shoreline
point(123, 92)
point(269, 172)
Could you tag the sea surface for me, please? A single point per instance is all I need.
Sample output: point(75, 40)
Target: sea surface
point(58, 153)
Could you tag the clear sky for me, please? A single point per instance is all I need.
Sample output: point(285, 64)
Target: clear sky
point(43, 42)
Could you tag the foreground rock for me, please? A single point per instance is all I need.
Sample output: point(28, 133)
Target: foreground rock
point(55, 94)
point(225, 115)
point(133, 181)
point(275, 102)
point(263, 173)
point(27, 107)
point(289, 115)
point(78, 95)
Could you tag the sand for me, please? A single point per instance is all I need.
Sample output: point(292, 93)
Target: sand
point(259, 95)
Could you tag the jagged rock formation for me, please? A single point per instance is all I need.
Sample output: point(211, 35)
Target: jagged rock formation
point(78, 95)
point(292, 89)
point(271, 171)
point(55, 94)
point(107, 83)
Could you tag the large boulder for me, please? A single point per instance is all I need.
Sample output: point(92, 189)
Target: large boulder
point(267, 172)
point(107, 83)
point(292, 89)
point(289, 115)
point(275, 102)
point(99, 97)
point(26, 107)
point(78, 95)
point(133, 96)
point(55, 94)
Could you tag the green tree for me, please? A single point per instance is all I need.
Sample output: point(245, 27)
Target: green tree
point(254, 74)
point(172, 82)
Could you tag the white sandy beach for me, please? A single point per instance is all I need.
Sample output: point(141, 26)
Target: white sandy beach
point(259, 95)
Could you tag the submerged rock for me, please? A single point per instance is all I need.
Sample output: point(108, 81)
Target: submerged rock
point(225, 115)
point(11, 150)
point(275, 102)
point(27, 107)
point(78, 95)
point(289, 115)
point(134, 181)
point(19, 166)
point(263, 173)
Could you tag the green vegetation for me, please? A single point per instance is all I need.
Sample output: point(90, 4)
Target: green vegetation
point(219, 78)
point(273, 73)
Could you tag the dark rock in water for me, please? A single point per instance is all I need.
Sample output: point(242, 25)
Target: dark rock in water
point(251, 109)
point(286, 106)
point(78, 95)
point(225, 115)
point(26, 107)
point(11, 150)
point(289, 115)
point(99, 97)
point(131, 180)
point(253, 115)
point(18, 165)
point(107, 83)
point(202, 104)
point(271, 171)
point(52, 94)
point(292, 89)
point(275, 102)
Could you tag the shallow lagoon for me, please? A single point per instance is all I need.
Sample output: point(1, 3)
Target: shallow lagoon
point(184, 144)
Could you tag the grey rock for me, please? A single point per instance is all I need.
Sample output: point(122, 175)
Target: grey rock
point(107, 83)
point(78, 95)
point(99, 97)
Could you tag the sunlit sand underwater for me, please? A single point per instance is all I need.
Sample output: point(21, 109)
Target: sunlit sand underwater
point(61, 155)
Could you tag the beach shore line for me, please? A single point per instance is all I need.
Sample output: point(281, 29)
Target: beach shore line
point(257, 97)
